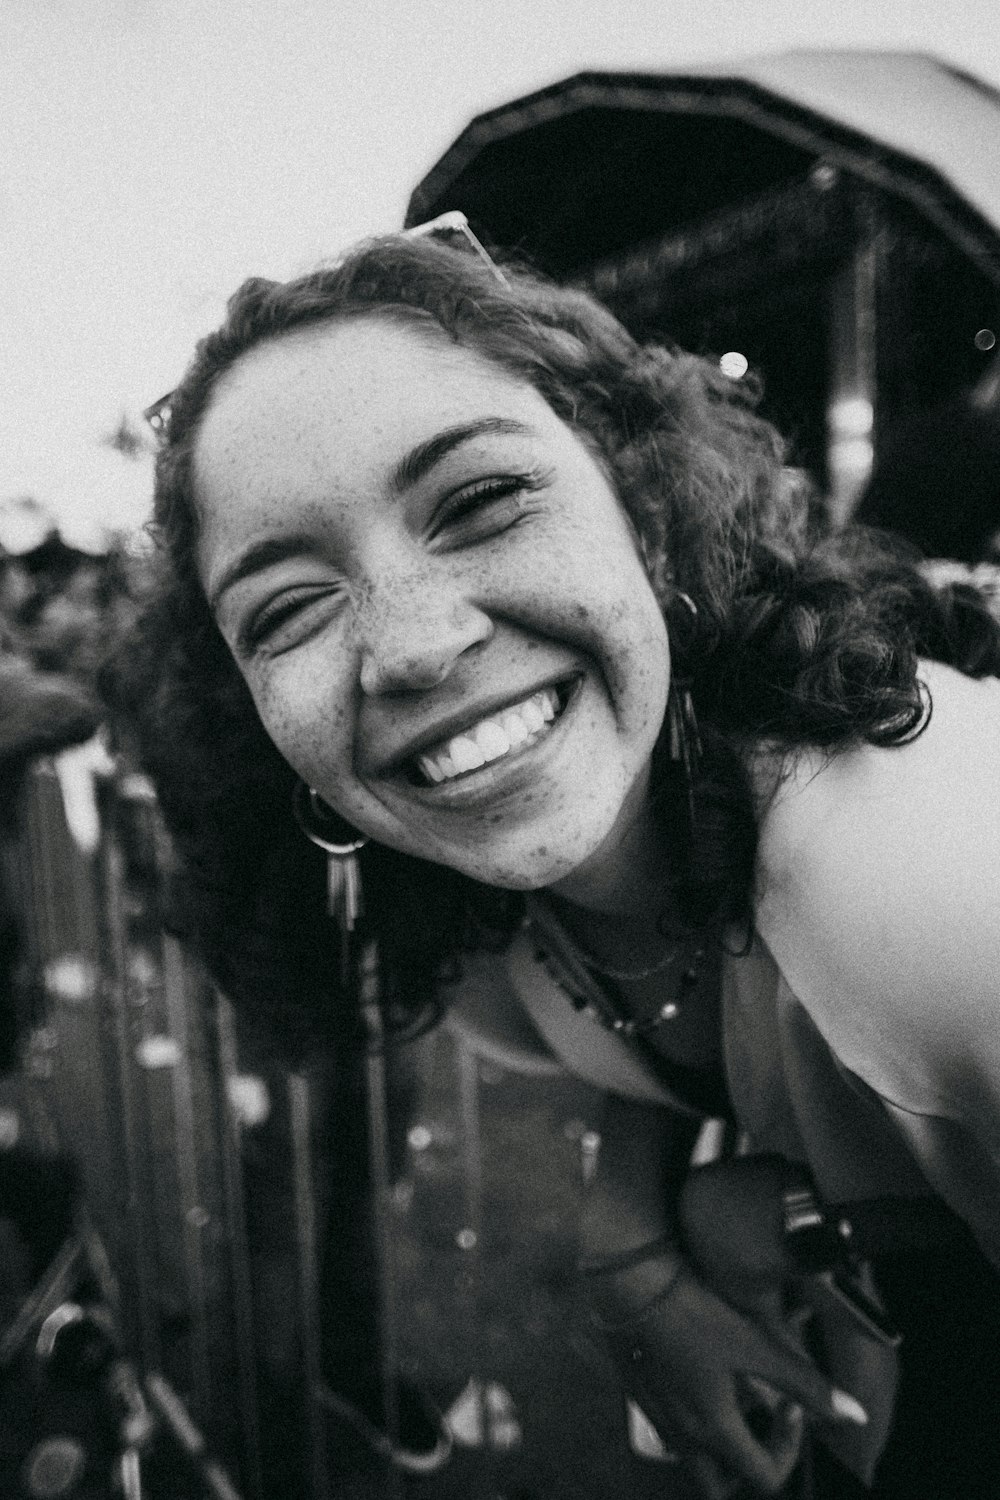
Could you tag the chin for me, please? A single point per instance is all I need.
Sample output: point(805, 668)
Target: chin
point(543, 868)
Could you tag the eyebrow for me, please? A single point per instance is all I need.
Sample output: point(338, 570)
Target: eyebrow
point(410, 469)
point(421, 459)
point(259, 555)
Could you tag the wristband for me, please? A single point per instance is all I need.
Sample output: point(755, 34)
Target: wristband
point(670, 1275)
point(625, 1259)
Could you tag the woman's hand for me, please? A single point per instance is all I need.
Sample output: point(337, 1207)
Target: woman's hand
point(729, 1397)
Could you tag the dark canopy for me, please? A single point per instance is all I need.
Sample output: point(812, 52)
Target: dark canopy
point(582, 169)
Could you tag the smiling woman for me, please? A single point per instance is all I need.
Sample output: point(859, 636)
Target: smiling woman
point(410, 647)
point(541, 619)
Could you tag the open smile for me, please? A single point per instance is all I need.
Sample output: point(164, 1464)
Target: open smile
point(502, 735)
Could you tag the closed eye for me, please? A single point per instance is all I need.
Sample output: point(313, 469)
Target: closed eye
point(287, 619)
point(483, 509)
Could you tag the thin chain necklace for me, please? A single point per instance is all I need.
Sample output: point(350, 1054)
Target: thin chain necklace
point(574, 970)
point(668, 961)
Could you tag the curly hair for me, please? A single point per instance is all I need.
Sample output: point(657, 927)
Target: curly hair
point(801, 634)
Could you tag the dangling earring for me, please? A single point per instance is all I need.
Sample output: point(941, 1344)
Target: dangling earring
point(685, 740)
point(323, 827)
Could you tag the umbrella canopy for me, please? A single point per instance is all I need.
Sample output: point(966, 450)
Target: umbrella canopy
point(588, 167)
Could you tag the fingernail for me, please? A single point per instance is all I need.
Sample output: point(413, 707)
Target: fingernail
point(847, 1407)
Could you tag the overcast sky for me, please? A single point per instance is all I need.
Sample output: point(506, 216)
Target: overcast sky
point(155, 152)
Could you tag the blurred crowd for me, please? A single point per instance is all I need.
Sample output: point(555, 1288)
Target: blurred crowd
point(58, 603)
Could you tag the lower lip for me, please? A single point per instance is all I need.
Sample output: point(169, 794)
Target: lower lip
point(506, 774)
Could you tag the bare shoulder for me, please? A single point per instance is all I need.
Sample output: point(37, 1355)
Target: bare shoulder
point(879, 884)
point(909, 799)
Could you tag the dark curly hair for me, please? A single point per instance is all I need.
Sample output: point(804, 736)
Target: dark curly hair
point(801, 634)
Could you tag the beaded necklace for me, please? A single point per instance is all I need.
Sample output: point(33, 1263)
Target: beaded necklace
point(695, 1085)
point(577, 973)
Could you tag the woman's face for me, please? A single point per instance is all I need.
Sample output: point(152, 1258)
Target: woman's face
point(435, 599)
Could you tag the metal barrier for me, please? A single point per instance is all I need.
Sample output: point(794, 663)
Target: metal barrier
point(131, 1069)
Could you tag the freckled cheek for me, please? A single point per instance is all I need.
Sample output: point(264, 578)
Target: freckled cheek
point(315, 736)
point(636, 655)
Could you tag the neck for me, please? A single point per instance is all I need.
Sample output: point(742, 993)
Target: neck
point(627, 874)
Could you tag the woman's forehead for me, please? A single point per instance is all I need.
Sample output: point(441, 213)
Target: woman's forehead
point(333, 414)
point(352, 389)
point(380, 350)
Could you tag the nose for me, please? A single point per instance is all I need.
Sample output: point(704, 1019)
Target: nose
point(411, 631)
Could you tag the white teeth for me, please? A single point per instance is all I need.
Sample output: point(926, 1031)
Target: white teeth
point(532, 715)
point(465, 754)
point(492, 738)
point(515, 729)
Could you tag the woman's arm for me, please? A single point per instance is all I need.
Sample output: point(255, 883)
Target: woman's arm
point(880, 901)
point(726, 1391)
point(641, 1167)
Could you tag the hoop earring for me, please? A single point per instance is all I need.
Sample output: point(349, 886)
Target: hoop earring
point(327, 831)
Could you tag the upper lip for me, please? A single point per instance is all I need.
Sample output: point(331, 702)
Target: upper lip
point(462, 718)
